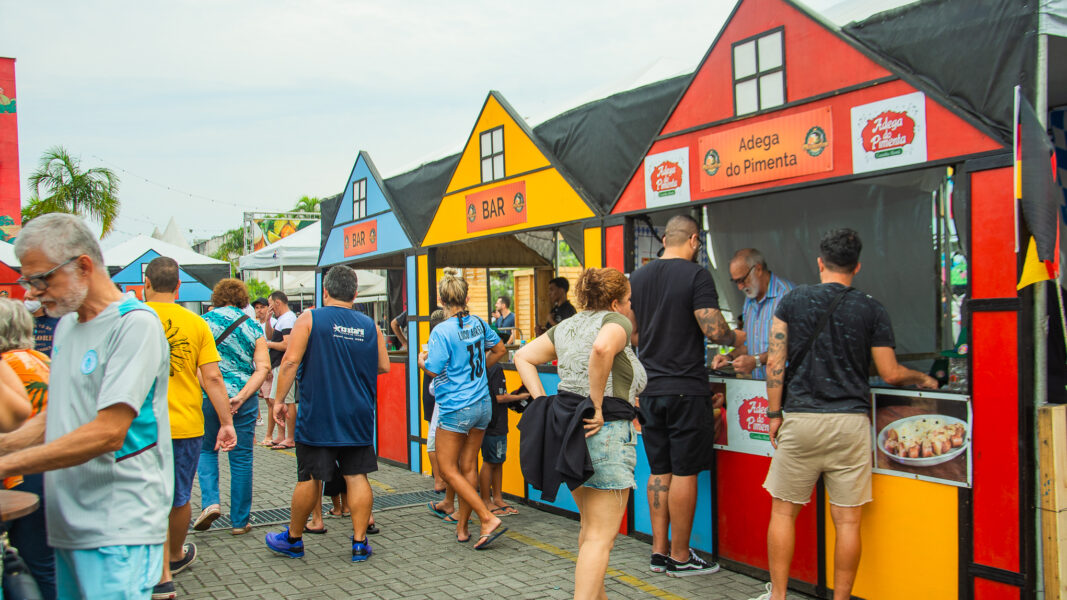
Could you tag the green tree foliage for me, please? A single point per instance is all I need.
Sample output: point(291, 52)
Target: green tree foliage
point(307, 204)
point(232, 248)
point(60, 185)
point(257, 289)
point(567, 258)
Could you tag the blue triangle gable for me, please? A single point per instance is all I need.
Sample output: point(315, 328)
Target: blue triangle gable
point(191, 290)
point(376, 202)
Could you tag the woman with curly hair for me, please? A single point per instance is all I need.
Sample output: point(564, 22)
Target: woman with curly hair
point(244, 366)
point(599, 376)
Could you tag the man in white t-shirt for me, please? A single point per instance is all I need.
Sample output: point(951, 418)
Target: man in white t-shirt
point(277, 329)
point(106, 449)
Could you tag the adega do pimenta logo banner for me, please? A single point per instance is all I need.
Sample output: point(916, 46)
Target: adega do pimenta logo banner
point(790, 146)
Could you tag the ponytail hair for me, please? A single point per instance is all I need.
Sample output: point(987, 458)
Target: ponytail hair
point(452, 289)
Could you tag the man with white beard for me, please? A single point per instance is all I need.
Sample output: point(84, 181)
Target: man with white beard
point(104, 441)
point(763, 291)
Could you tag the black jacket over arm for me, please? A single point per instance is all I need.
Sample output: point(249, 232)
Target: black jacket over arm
point(552, 446)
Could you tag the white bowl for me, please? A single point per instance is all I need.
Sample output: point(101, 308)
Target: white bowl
point(930, 460)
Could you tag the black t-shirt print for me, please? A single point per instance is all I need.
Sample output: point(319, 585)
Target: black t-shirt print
point(561, 312)
point(665, 292)
point(498, 386)
point(833, 377)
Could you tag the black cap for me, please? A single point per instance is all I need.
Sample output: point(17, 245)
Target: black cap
point(260, 302)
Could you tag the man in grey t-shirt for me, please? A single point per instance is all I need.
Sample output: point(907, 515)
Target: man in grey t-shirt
point(106, 433)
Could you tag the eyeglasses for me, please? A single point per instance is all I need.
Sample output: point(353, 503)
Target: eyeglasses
point(743, 278)
point(39, 282)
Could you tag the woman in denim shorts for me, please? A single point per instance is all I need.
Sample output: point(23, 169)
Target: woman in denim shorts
point(457, 349)
point(595, 359)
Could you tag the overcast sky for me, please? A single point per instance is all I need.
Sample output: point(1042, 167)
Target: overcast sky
point(245, 105)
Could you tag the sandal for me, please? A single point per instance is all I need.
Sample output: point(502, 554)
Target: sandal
point(315, 531)
point(489, 538)
point(511, 510)
point(283, 446)
point(500, 511)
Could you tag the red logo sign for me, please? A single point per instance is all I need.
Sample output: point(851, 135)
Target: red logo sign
point(361, 238)
point(496, 207)
point(666, 176)
point(887, 131)
point(753, 415)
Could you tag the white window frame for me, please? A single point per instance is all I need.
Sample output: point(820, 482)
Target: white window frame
point(359, 199)
point(492, 154)
point(761, 72)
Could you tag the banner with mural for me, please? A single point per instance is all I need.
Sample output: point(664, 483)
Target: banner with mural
point(10, 198)
point(268, 231)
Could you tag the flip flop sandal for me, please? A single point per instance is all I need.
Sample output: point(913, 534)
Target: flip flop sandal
point(489, 538)
point(500, 512)
point(440, 513)
point(372, 529)
point(463, 541)
point(315, 531)
point(282, 447)
point(511, 510)
point(266, 443)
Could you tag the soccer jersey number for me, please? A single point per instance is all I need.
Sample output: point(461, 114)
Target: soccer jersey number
point(477, 360)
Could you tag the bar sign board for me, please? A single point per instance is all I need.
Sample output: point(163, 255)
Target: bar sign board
point(361, 238)
point(496, 207)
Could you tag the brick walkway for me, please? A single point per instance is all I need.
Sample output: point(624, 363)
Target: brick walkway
point(416, 557)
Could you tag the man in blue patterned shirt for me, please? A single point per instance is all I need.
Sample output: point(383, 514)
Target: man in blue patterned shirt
point(763, 291)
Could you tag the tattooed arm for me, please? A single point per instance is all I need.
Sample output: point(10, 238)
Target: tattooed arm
point(714, 327)
point(776, 357)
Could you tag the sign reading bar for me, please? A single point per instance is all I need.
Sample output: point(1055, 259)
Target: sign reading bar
point(361, 238)
point(780, 148)
point(496, 207)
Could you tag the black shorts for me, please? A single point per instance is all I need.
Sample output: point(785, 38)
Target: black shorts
point(679, 433)
point(321, 462)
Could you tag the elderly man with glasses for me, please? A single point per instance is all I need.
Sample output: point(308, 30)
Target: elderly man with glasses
point(763, 291)
point(104, 442)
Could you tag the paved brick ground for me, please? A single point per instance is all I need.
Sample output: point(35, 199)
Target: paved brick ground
point(416, 557)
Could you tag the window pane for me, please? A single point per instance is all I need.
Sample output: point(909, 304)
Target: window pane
point(745, 97)
point(745, 60)
point(498, 140)
point(363, 188)
point(487, 169)
point(487, 143)
point(498, 166)
point(771, 90)
point(770, 51)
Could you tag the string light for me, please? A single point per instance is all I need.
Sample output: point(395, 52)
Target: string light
point(169, 188)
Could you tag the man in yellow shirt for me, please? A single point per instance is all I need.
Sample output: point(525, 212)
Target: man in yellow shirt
point(192, 353)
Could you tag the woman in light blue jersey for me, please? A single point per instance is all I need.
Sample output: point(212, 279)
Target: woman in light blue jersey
point(457, 351)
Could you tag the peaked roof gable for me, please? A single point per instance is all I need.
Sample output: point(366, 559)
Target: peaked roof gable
point(525, 162)
point(191, 289)
point(379, 199)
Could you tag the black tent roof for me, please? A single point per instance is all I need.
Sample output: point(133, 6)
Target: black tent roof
point(417, 193)
point(601, 142)
point(973, 54)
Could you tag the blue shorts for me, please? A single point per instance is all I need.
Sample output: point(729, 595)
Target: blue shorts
point(111, 572)
point(473, 416)
point(495, 449)
point(186, 458)
point(613, 451)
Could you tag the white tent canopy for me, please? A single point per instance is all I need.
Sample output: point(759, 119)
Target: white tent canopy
point(7, 254)
point(133, 248)
point(371, 284)
point(299, 251)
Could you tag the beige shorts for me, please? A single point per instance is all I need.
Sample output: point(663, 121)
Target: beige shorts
point(290, 398)
point(266, 390)
point(834, 445)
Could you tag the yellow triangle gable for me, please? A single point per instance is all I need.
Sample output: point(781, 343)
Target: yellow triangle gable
point(521, 155)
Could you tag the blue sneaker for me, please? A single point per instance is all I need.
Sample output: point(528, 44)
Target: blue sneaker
point(361, 551)
point(278, 543)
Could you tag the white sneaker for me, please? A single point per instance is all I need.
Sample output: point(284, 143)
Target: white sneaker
point(765, 595)
point(206, 518)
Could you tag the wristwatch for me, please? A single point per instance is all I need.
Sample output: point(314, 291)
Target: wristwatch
point(759, 363)
point(774, 414)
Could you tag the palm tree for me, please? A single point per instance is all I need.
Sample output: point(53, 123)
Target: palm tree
point(59, 185)
point(91, 193)
point(307, 204)
point(231, 248)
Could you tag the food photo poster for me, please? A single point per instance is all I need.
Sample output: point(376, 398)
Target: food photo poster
point(923, 435)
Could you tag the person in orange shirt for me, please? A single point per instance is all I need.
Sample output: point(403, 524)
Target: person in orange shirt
point(32, 368)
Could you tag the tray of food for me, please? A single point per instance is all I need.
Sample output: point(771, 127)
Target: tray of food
point(924, 440)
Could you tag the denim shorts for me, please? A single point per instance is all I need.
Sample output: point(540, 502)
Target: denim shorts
point(186, 458)
point(495, 449)
point(473, 416)
point(613, 451)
